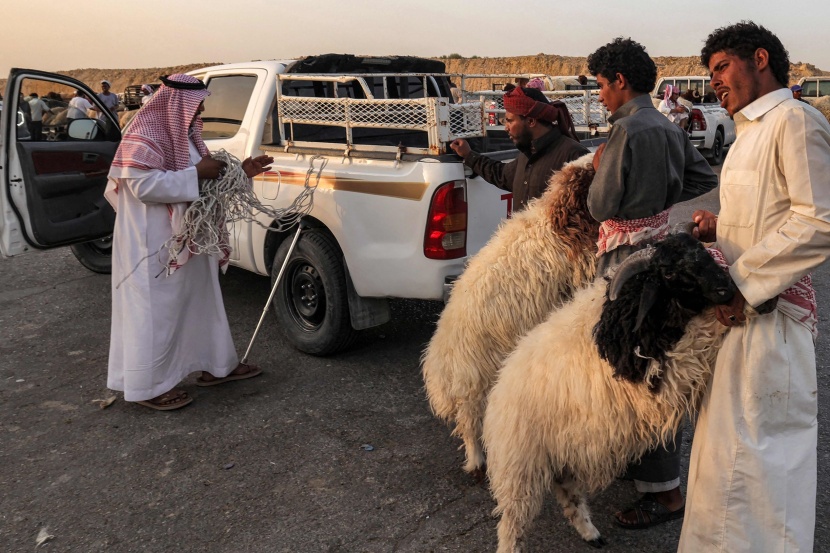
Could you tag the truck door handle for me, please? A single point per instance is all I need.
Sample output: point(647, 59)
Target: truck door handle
point(89, 158)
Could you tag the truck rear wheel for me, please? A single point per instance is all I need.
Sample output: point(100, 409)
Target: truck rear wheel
point(717, 149)
point(95, 255)
point(311, 303)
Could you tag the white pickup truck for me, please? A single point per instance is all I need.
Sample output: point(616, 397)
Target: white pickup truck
point(395, 214)
point(712, 130)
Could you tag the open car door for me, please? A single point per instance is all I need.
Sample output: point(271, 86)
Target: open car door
point(53, 174)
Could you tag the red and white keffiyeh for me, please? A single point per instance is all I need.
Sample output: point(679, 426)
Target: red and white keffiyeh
point(616, 232)
point(669, 92)
point(158, 139)
point(797, 302)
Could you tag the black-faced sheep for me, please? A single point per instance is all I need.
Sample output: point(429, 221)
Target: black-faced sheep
point(559, 418)
point(531, 265)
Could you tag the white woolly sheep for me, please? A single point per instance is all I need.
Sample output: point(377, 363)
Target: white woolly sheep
point(531, 265)
point(125, 117)
point(823, 105)
point(569, 411)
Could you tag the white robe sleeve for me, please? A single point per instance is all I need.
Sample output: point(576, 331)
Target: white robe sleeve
point(165, 187)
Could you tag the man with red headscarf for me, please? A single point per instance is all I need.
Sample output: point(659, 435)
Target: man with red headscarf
point(168, 319)
point(544, 134)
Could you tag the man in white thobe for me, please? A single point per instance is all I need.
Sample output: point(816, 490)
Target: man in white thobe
point(168, 318)
point(752, 477)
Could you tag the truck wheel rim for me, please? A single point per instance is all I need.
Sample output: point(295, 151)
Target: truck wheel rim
point(307, 300)
point(102, 245)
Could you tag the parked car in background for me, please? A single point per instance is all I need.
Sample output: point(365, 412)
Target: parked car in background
point(684, 83)
point(814, 87)
point(711, 129)
point(132, 96)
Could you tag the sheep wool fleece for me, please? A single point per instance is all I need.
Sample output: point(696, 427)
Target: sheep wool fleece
point(752, 476)
point(163, 327)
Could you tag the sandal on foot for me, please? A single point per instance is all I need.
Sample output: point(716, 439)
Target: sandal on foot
point(649, 513)
point(174, 399)
point(252, 371)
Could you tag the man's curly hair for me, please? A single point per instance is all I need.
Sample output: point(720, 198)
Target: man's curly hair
point(628, 57)
point(742, 40)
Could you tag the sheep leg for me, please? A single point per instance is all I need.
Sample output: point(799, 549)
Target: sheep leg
point(516, 517)
point(573, 503)
point(468, 421)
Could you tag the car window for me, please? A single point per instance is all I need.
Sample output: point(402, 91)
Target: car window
point(663, 85)
point(225, 107)
point(707, 87)
point(810, 88)
point(824, 88)
point(46, 108)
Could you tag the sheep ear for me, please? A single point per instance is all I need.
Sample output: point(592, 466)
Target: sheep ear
point(683, 228)
point(647, 300)
point(632, 265)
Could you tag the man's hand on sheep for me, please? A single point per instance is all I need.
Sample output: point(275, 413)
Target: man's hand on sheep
point(461, 147)
point(707, 223)
point(732, 313)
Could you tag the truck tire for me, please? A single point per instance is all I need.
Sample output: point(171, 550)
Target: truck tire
point(716, 153)
point(311, 303)
point(95, 255)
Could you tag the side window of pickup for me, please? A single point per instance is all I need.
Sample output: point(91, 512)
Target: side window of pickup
point(226, 105)
point(810, 88)
point(824, 88)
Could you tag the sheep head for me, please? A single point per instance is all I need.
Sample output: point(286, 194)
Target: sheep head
point(652, 296)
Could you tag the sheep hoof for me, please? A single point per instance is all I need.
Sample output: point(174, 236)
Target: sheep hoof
point(597, 543)
point(479, 474)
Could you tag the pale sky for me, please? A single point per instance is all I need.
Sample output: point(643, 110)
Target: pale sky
point(160, 33)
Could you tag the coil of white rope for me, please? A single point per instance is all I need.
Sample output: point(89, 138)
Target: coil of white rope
point(229, 199)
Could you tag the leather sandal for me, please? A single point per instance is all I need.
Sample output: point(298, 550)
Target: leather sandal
point(649, 513)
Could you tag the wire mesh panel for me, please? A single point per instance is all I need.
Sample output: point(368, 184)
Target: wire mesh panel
point(466, 120)
point(415, 114)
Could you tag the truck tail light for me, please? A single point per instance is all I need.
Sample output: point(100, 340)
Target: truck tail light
point(698, 121)
point(446, 233)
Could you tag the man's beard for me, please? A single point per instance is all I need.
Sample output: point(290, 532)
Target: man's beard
point(524, 140)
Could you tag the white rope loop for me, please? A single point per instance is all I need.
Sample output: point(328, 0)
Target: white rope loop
point(229, 199)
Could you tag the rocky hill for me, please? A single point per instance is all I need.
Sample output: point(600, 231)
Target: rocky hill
point(119, 78)
point(548, 64)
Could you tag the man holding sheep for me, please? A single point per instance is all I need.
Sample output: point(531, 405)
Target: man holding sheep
point(647, 165)
point(544, 134)
point(752, 476)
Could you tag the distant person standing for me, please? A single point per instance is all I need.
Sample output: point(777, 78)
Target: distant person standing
point(109, 100)
point(797, 91)
point(147, 91)
point(671, 107)
point(23, 106)
point(78, 106)
point(38, 107)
